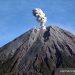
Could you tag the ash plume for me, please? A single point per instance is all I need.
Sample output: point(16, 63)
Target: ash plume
point(40, 16)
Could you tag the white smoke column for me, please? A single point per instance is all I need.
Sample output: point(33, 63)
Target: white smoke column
point(40, 17)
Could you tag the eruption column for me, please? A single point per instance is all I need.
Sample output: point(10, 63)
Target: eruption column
point(40, 17)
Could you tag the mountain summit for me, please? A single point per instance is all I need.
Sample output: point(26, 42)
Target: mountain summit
point(38, 52)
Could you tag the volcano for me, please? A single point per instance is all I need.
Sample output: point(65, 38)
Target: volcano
point(38, 52)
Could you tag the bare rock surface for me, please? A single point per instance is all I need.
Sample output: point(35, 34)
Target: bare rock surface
point(38, 52)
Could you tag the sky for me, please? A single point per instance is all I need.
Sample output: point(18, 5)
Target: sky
point(16, 16)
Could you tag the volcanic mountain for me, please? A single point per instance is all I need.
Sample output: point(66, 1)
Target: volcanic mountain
point(38, 52)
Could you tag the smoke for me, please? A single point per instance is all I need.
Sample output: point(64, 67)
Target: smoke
point(40, 16)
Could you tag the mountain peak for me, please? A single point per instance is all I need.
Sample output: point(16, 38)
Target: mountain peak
point(38, 52)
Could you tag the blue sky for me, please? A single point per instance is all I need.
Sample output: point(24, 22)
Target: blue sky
point(16, 16)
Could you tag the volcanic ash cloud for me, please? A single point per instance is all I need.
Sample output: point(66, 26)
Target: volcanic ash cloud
point(40, 16)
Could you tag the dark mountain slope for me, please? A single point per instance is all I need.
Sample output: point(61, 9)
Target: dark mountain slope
point(38, 52)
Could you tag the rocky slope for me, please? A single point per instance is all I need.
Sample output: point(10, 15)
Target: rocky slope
point(38, 52)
